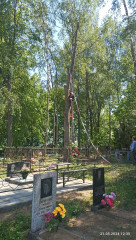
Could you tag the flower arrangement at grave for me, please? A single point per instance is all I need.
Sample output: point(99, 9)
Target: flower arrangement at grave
point(32, 160)
point(53, 219)
point(39, 153)
point(24, 172)
point(51, 167)
point(108, 200)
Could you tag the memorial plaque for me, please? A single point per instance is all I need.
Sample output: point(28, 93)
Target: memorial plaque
point(14, 168)
point(46, 187)
point(98, 185)
point(44, 198)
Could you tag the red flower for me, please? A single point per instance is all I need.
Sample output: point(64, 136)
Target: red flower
point(103, 202)
point(109, 202)
point(48, 217)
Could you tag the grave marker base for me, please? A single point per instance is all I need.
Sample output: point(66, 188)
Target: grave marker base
point(95, 208)
point(60, 234)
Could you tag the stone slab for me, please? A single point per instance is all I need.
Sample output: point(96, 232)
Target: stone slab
point(98, 185)
point(12, 196)
point(19, 180)
point(61, 234)
point(44, 198)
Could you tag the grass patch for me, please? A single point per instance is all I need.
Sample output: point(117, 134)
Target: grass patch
point(16, 228)
point(120, 179)
point(75, 207)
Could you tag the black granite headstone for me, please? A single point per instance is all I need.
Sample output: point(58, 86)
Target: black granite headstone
point(46, 187)
point(98, 185)
point(13, 169)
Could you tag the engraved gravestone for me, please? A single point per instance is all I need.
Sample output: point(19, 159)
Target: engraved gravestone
point(98, 185)
point(14, 168)
point(44, 198)
point(46, 187)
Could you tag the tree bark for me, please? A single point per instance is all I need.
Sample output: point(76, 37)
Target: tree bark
point(56, 128)
point(47, 108)
point(91, 122)
point(109, 123)
point(79, 126)
point(131, 41)
point(67, 102)
point(87, 111)
point(8, 80)
point(9, 138)
point(66, 125)
point(43, 16)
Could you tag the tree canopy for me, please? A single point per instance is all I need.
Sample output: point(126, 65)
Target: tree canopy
point(38, 40)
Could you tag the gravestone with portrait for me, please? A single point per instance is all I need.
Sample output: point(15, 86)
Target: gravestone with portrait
point(13, 169)
point(44, 198)
point(98, 186)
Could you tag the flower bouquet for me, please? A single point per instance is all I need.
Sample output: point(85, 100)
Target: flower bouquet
point(32, 160)
point(53, 219)
point(24, 172)
point(39, 153)
point(108, 200)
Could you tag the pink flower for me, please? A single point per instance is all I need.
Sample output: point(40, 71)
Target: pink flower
point(40, 153)
point(103, 202)
point(109, 202)
point(106, 197)
point(111, 197)
point(113, 194)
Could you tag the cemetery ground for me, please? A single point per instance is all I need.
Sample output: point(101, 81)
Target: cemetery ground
point(116, 223)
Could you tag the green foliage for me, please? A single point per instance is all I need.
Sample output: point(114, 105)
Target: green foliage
point(32, 32)
point(75, 207)
point(120, 179)
point(122, 182)
point(15, 228)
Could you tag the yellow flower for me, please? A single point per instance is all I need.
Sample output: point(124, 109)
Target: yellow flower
point(61, 205)
point(64, 210)
point(55, 212)
point(63, 215)
point(61, 212)
point(58, 209)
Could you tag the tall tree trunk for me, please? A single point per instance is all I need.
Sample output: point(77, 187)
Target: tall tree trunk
point(56, 113)
point(9, 138)
point(54, 123)
point(109, 123)
point(56, 127)
point(8, 78)
point(43, 24)
point(87, 111)
point(91, 122)
point(47, 108)
point(67, 102)
point(98, 116)
point(131, 41)
point(66, 124)
point(79, 126)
